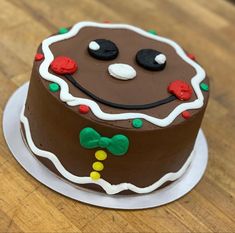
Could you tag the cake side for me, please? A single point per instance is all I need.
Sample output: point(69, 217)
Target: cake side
point(148, 158)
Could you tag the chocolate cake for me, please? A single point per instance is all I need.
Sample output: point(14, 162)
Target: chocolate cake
point(112, 107)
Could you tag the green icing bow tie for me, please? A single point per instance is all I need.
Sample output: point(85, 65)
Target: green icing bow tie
point(117, 145)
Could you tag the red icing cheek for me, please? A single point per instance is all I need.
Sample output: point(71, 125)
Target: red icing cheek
point(63, 65)
point(180, 89)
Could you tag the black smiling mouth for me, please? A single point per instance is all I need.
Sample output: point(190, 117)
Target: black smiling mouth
point(166, 100)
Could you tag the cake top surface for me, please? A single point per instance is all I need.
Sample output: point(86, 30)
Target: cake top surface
point(123, 74)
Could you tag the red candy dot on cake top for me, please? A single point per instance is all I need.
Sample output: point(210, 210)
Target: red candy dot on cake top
point(191, 56)
point(106, 21)
point(63, 65)
point(186, 115)
point(83, 109)
point(39, 57)
point(180, 89)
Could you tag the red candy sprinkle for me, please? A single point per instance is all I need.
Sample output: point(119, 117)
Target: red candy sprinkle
point(106, 21)
point(186, 115)
point(84, 109)
point(63, 65)
point(180, 89)
point(39, 57)
point(191, 56)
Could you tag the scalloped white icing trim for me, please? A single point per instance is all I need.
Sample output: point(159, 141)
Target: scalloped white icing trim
point(109, 188)
point(71, 100)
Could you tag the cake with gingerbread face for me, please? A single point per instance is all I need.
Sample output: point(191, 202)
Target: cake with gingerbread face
point(112, 107)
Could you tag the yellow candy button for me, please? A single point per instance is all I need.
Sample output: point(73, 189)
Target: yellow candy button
point(100, 155)
point(98, 166)
point(95, 175)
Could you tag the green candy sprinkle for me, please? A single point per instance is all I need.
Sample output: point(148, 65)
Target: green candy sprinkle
point(152, 31)
point(137, 123)
point(204, 86)
point(63, 30)
point(53, 87)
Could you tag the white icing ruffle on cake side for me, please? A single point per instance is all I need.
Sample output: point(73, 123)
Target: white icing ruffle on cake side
point(109, 188)
point(71, 100)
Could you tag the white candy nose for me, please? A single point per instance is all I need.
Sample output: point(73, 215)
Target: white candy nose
point(122, 71)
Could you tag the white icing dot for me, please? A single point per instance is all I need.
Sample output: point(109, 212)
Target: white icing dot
point(108, 187)
point(94, 45)
point(160, 58)
point(122, 71)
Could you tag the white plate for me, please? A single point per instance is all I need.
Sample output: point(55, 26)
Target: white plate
point(12, 133)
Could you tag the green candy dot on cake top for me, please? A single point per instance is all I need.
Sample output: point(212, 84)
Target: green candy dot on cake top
point(204, 86)
point(63, 30)
point(53, 87)
point(137, 123)
point(152, 31)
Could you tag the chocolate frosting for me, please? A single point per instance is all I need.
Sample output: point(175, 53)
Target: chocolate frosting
point(153, 151)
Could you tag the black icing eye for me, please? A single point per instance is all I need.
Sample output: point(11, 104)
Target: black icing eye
point(151, 59)
point(103, 49)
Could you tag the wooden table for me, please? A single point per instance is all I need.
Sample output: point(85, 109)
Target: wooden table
point(206, 29)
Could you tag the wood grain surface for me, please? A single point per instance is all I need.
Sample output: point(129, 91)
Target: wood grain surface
point(203, 27)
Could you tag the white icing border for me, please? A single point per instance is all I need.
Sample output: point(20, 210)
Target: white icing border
point(109, 188)
point(71, 100)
